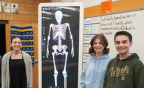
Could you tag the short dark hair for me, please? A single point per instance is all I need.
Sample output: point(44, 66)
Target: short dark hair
point(14, 38)
point(103, 41)
point(123, 33)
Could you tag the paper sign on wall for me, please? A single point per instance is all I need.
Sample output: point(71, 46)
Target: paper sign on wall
point(14, 8)
point(106, 6)
point(5, 7)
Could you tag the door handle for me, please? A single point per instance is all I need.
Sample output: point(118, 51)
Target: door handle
point(35, 61)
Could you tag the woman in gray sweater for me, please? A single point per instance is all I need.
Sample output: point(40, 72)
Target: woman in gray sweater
point(16, 67)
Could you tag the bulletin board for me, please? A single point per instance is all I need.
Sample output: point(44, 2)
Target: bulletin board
point(91, 28)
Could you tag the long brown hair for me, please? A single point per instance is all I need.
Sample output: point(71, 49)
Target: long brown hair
point(103, 41)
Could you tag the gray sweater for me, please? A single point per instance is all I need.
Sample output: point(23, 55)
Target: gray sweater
point(5, 70)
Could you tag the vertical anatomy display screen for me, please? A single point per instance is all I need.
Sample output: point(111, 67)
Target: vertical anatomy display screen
point(60, 46)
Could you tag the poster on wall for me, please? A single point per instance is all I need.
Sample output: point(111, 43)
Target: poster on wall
point(5, 7)
point(91, 28)
point(14, 8)
point(59, 44)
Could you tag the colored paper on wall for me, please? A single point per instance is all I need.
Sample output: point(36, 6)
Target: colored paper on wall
point(106, 7)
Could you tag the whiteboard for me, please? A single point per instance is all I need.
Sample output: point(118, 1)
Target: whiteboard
point(131, 21)
point(127, 21)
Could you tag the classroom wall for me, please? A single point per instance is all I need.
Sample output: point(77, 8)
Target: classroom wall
point(86, 3)
point(27, 16)
point(117, 6)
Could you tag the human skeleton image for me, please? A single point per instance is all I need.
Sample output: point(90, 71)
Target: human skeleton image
point(59, 34)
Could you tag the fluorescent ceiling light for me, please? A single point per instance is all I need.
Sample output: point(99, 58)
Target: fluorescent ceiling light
point(46, 18)
point(70, 8)
point(66, 15)
point(47, 13)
